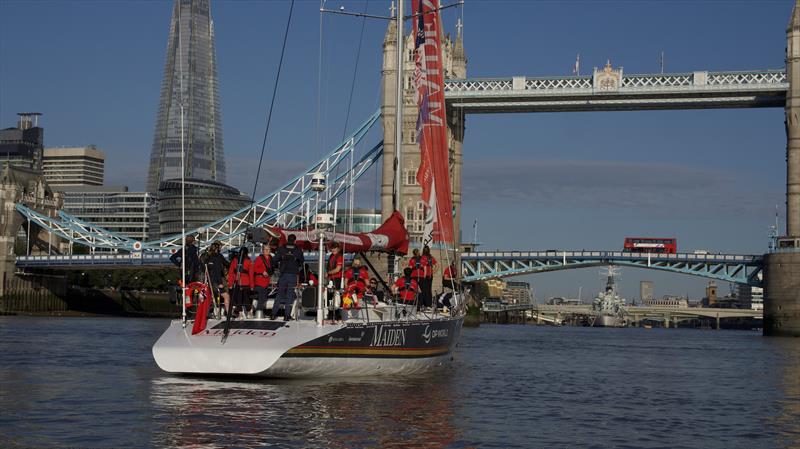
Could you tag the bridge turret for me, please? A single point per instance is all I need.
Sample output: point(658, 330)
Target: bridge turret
point(782, 268)
point(793, 124)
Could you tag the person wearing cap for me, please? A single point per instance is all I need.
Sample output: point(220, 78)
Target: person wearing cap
point(289, 261)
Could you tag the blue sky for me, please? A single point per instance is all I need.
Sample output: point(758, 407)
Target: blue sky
point(533, 181)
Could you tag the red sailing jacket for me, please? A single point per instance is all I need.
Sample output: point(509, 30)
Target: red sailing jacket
point(245, 277)
point(333, 262)
point(261, 265)
point(357, 282)
point(430, 261)
point(407, 289)
point(417, 265)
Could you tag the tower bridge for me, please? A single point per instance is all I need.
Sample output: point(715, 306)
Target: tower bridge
point(610, 90)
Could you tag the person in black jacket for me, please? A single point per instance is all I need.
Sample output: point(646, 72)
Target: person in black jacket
point(192, 261)
point(289, 261)
point(217, 267)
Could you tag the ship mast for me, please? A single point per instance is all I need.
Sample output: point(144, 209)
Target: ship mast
point(398, 116)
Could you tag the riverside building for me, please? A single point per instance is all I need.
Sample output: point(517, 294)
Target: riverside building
point(113, 208)
point(69, 167)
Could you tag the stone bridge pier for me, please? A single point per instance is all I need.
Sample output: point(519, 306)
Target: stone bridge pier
point(28, 187)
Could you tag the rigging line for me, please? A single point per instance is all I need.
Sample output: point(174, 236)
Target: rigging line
point(355, 72)
point(272, 102)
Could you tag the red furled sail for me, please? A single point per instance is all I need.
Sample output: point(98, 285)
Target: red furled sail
point(434, 169)
point(391, 236)
point(203, 291)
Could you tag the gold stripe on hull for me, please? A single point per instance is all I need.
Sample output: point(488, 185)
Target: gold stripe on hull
point(396, 352)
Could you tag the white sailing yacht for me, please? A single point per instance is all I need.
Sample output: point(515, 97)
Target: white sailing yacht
point(389, 338)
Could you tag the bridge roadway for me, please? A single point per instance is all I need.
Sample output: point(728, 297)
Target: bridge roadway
point(482, 265)
point(611, 90)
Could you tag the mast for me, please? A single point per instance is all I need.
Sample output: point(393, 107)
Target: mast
point(183, 173)
point(398, 115)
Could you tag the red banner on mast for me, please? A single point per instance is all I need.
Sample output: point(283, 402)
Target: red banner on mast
point(434, 169)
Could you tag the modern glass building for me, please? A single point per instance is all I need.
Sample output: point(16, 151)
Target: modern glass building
point(364, 220)
point(206, 201)
point(190, 78)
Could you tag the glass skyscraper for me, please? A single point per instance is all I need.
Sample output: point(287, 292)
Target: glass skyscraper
point(190, 77)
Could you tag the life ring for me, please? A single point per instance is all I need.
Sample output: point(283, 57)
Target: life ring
point(193, 288)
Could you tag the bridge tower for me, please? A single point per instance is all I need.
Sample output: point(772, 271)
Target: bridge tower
point(455, 67)
point(27, 187)
point(782, 268)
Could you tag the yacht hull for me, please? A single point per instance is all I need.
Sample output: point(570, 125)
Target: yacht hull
point(300, 349)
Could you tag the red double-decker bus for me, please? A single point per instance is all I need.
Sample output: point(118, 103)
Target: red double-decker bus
point(650, 245)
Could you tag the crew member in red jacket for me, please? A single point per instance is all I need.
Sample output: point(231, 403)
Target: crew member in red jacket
point(406, 287)
point(426, 286)
point(262, 275)
point(335, 266)
point(244, 281)
point(356, 278)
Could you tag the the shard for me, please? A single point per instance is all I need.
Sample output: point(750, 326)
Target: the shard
point(190, 78)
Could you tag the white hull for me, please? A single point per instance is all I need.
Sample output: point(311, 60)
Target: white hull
point(301, 349)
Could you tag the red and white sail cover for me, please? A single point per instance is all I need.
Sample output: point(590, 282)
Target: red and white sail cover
point(391, 236)
point(434, 169)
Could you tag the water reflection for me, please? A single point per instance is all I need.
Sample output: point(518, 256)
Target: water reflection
point(788, 401)
point(401, 412)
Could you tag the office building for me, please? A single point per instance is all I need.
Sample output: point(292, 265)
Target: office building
point(751, 297)
point(113, 208)
point(364, 220)
point(518, 292)
point(190, 78)
point(645, 290)
point(22, 146)
point(73, 166)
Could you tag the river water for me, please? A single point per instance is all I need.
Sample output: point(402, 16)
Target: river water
point(91, 382)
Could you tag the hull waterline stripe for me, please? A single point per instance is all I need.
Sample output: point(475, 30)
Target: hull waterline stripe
point(365, 352)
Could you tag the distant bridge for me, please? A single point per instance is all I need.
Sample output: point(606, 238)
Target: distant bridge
point(737, 268)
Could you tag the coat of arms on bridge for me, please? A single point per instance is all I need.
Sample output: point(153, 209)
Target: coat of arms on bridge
point(608, 79)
